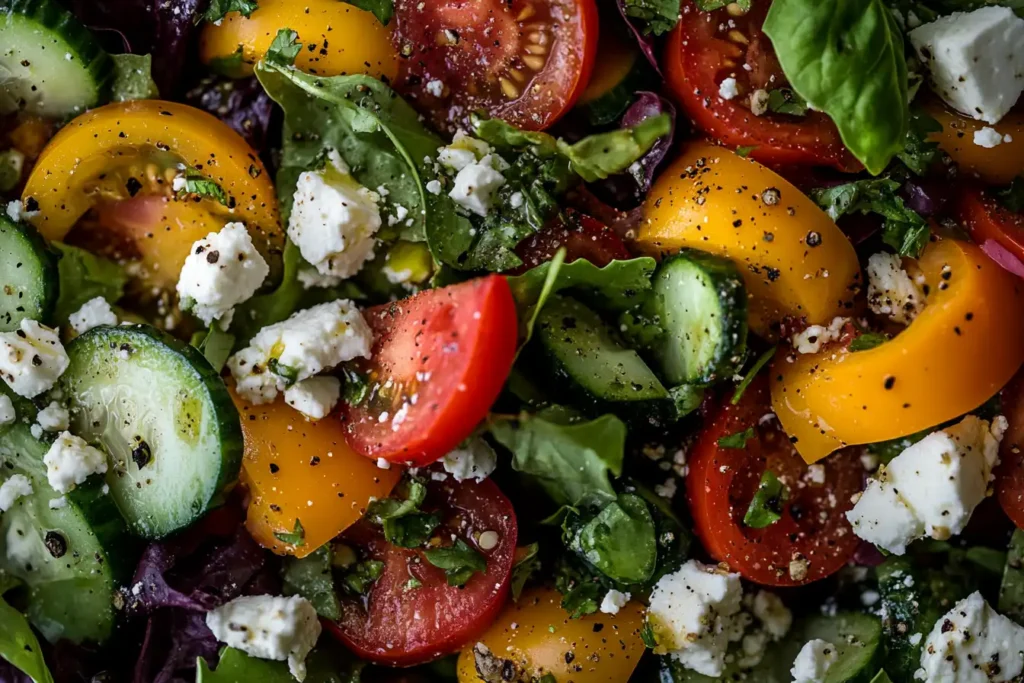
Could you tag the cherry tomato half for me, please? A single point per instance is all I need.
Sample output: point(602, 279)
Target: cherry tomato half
point(1010, 474)
point(582, 237)
point(401, 625)
point(812, 539)
point(439, 361)
point(708, 47)
point(987, 219)
point(524, 61)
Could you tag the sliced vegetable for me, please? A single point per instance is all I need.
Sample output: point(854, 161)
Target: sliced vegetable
point(988, 221)
point(28, 275)
point(994, 165)
point(158, 409)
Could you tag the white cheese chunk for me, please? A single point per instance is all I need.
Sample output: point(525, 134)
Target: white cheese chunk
point(773, 614)
point(891, 290)
point(268, 627)
point(988, 137)
point(727, 89)
point(476, 186)
point(16, 486)
point(814, 337)
point(314, 397)
point(975, 60)
point(70, 461)
point(221, 271)
point(473, 459)
point(53, 418)
point(31, 359)
point(309, 342)
point(815, 659)
point(973, 643)
point(7, 412)
point(334, 219)
point(93, 313)
point(614, 601)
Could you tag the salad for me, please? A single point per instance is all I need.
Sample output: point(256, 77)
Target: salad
point(511, 341)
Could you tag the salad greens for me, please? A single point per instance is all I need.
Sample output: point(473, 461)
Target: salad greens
point(660, 16)
point(404, 524)
point(18, 644)
point(384, 10)
point(84, 276)
point(766, 506)
point(903, 229)
point(619, 541)
point(459, 561)
point(312, 577)
point(219, 8)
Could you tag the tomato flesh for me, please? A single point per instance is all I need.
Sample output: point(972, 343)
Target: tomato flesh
point(1010, 473)
point(399, 626)
point(708, 47)
point(582, 237)
point(812, 539)
point(524, 61)
point(439, 361)
point(986, 220)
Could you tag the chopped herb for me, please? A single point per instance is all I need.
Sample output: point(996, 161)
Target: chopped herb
point(658, 16)
point(920, 153)
point(284, 48)
point(1012, 196)
point(868, 341)
point(785, 101)
point(758, 365)
point(711, 5)
point(527, 562)
point(459, 562)
point(355, 388)
point(198, 185)
point(903, 228)
point(766, 506)
point(404, 524)
point(648, 635)
point(737, 440)
point(412, 584)
point(745, 150)
point(297, 537)
point(384, 10)
point(362, 576)
point(289, 374)
point(219, 8)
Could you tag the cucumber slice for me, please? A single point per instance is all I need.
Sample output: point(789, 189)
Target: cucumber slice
point(699, 305)
point(70, 559)
point(50, 64)
point(28, 275)
point(582, 351)
point(164, 417)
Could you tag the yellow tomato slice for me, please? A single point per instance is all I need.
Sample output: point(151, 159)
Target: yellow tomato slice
point(795, 261)
point(538, 636)
point(615, 62)
point(344, 38)
point(303, 471)
point(997, 165)
point(959, 351)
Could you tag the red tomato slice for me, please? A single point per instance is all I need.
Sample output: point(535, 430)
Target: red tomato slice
point(1010, 473)
point(813, 538)
point(399, 626)
point(439, 361)
point(708, 47)
point(582, 237)
point(524, 61)
point(987, 220)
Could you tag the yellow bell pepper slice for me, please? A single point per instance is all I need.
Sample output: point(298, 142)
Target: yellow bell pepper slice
point(795, 261)
point(997, 165)
point(959, 351)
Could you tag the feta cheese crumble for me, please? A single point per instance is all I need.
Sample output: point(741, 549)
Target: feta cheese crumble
point(14, 488)
point(314, 397)
point(473, 459)
point(476, 186)
point(814, 337)
point(727, 89)
point(268, 627)
point(53, 418)
point(973, 643)
point(614, 601)
point(975, 60)
point(93, 313)
point(31, 359)
point(931, 488)
point(7, 412)
point(891, 290)
point(222, 270)
point(988, 138)
point(303, 346)
point(70, 461)
point(815, 659)
point(334, 219)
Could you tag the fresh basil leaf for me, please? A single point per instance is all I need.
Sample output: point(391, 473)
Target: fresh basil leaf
point(1011, 197)
point(296, 537)
point(581, 592)
point(752, 373)
point(404, 524)
point(19, 645)
point(737, 440)
point(219, 8)
point(570, 460)
point(361, 576)
point(903, 229)
point(384, 10)
point(283, 49)
point(920, 153)
point(133, 78)
point(215, 345)
point(1011, 592)
point(661, 16)
point(599, 156)
point(766, 506)
point(846, 58)
point(312, 577)
point(785, 101)
point(195, 184)
point(867, 341)
point(84, 276)
point(526, 565)
point(459, 561)
point(356, 386)
point(620, 541)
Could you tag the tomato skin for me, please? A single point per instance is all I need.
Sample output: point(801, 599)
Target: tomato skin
point(446, 353)
point(986, 219)
point(722, 482)
point(473, 46)
point(401, 627)
point(1010, 473)
point(582, 237)
point(696, 55)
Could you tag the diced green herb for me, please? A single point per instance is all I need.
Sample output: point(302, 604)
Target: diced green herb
point(766, 506)
point(458, 561)
point(384, 10)
point(660, 16)
point(283, 49)
point(289, 374)
point(355, 388)
point(745, 150)
point(785, 101)
point(648, 635)
point(404, 524)
point(198, 185)
point(296, 537)
point(737, 440)
point(412, 584)
point(581, 592)
point(752, 373)
point(219, 8)
point(867, 341)
point(903, 229)
point(919, 152)
point(362, 575)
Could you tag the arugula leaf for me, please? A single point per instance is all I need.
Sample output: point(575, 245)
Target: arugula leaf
point(920, 153)
point(620, 541)
point(903, 229)
point(219, 8)
point(1012, 196)
point(752, 373)
point(384, 10)
point(1011, 591)
point(84, 276)
point(133, 78)
point(283, 49)
point(312, 578)
point(867, 341)
point(19, 645)
point(846, 58)
point(296, 538)
point(459, 561)
point(215, 345)
point(766, 506)
point(195, 184)
point(403, 522)
point(737, 440)
point(661, 16)
point(785, 101)
point(570, 460)
point(526, 565)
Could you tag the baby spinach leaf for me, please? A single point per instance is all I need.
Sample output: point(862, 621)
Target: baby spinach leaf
point(661, 16)
point(867, 341)
point(219, 8)
point(846, 58)
point(903, 229)
point(459, 561)
point(19, 645)
point(620, 540)
point(384, 10)
point(766, 506)
point(133, 78)
point(84, 276)
point(312, 577)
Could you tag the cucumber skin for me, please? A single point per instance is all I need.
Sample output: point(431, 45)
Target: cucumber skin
point(94, 58)
point(229, 431)
point(47, 258)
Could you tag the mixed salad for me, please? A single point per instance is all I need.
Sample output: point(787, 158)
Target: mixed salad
point(535, 341)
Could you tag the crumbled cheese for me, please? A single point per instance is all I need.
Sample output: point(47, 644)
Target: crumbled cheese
point(314, 397)
point(54, 417)
point(334, 219)
point(222, 270)
point(434, 187)
point(891, 290)
point(614, 601)
point(268, 627)
point(931, 488)
point(773, 614)
point(435, 88)
point(814, 337)
point(476, 186)
point(727, 89)
point(12, 489)
point(473, 459)
point(7, 412)
point(815, 659)
point(14, 210)
point(973, 643)
point(31, 359)
point(975, 60)
point(311, 278)
point(58, 503)
point(93, 313)
point(309, 342)
point(70, 461)
point(988, 137)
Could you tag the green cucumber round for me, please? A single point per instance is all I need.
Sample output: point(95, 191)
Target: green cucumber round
point(165, 418)
point(28, 275)
point(50, 64)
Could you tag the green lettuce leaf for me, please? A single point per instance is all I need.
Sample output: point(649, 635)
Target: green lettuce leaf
point(661, 16)
point(903, 228)
point(384, 10)
point(312, 577)
point(620, 540)
point(19, 645)
point(84, 276)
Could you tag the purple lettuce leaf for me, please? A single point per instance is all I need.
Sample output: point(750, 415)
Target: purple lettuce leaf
point(244, 105)
point(645, 42)
point(8, 674)
point(173, 640)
